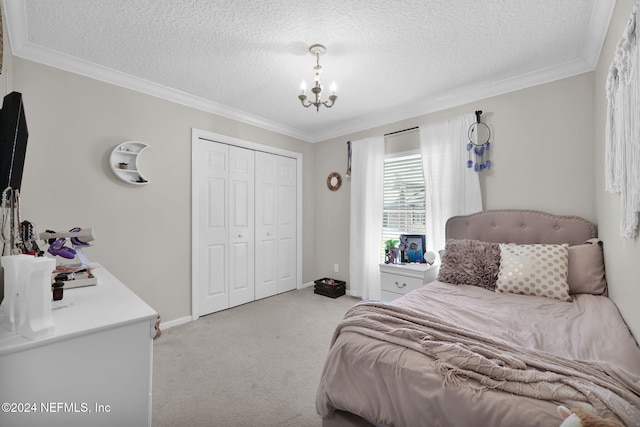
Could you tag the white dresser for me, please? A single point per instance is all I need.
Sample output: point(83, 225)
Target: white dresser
point(398, 279)
point(96, 370)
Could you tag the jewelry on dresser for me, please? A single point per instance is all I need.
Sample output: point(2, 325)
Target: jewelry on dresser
point(10, 221)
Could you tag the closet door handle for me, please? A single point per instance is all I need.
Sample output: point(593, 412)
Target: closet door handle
point(268, 234)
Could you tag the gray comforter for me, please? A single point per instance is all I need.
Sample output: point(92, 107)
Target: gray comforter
point(449, 355)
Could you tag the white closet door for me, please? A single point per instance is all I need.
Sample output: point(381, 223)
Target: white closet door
point(286, 219)
point(241, 226)
point(212, 163)
point(244, 216)
point(266, 225)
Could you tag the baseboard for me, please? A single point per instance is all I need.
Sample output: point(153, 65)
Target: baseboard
point(176, 322)
point(182, 320)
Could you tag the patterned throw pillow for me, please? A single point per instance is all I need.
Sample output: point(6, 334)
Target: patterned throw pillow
point(470, 262)
point(540, 270)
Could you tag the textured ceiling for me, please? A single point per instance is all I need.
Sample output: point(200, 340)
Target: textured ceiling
point(391, 60)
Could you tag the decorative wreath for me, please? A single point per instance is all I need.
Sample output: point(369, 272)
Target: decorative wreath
point(338, 178)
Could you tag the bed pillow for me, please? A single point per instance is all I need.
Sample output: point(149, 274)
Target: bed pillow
point(470, 262)
point(586, 269)
point(540, 270)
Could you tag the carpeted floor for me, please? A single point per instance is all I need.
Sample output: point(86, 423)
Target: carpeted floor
point(254, 365)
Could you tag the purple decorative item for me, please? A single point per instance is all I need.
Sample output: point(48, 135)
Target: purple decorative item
point(479, 135)
point(75, 241)
point(57, 248)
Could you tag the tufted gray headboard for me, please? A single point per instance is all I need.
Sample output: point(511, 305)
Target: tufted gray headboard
point(521, 227)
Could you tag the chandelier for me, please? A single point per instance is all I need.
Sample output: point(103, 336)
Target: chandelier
point(317, 50)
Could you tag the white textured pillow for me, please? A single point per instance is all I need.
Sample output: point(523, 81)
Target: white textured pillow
point(540, 270)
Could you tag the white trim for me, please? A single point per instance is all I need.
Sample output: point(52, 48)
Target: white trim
point(306, 285)
point(75, 65)
point(17, 28)
point(599, 25)
point(175, 322)
point(464, 95)
point(16, 21)
point(198, 134)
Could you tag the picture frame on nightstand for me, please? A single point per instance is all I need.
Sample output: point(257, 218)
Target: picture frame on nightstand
point(413, 247)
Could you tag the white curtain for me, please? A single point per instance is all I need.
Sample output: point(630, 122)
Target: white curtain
point(451, 188)
point(622, 146)
point(367, 177)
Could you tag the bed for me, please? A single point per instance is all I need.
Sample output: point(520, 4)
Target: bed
point(489, 354)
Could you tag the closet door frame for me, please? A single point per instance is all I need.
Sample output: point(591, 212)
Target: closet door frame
point(202, 135)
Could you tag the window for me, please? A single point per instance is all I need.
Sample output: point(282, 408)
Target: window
point(404, 197)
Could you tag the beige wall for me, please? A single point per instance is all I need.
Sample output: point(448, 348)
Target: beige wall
point(621, 257)
point(143, 232)
point(545, 154)
point(542, 153)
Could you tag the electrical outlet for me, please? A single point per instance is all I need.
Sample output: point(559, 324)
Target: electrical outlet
point(335, 267)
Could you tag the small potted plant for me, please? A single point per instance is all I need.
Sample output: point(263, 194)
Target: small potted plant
point(389, 252)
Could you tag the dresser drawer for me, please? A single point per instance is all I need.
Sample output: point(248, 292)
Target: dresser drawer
point(399, 284)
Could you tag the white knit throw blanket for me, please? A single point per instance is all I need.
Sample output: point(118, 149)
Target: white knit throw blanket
point(495, 364)
point(622, 138)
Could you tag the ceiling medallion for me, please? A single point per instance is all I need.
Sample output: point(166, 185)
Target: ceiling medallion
point(317, 50)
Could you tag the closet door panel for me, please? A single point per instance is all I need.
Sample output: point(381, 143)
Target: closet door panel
point(241, 229)
point(286, 220)
point(266, 225)
point(217, 265)
point(241, 288)
point(286, 270)
point(212, 223)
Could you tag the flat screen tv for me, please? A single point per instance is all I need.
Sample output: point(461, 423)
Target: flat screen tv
point(13, 141)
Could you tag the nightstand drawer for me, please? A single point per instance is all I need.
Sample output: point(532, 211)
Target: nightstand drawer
point(399, 284)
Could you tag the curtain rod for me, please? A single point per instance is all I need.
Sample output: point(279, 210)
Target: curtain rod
point(400, 131)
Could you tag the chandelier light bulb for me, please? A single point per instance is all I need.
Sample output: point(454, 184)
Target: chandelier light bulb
point(303, 87)
point(333, 88)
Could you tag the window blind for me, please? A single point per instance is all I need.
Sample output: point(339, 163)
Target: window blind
point(404, 198)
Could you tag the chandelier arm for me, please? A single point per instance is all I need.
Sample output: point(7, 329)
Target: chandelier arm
point(308, 103)
point(330, 102)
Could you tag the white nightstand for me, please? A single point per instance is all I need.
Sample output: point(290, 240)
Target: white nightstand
point(398, 279)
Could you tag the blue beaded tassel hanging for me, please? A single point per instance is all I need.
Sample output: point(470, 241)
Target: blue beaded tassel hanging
point(479, 145)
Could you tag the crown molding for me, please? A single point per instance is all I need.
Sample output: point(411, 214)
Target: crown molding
point(16, 21)
point(72, 64)
point(460, 97)
point(598, 25)
point(16, 24)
